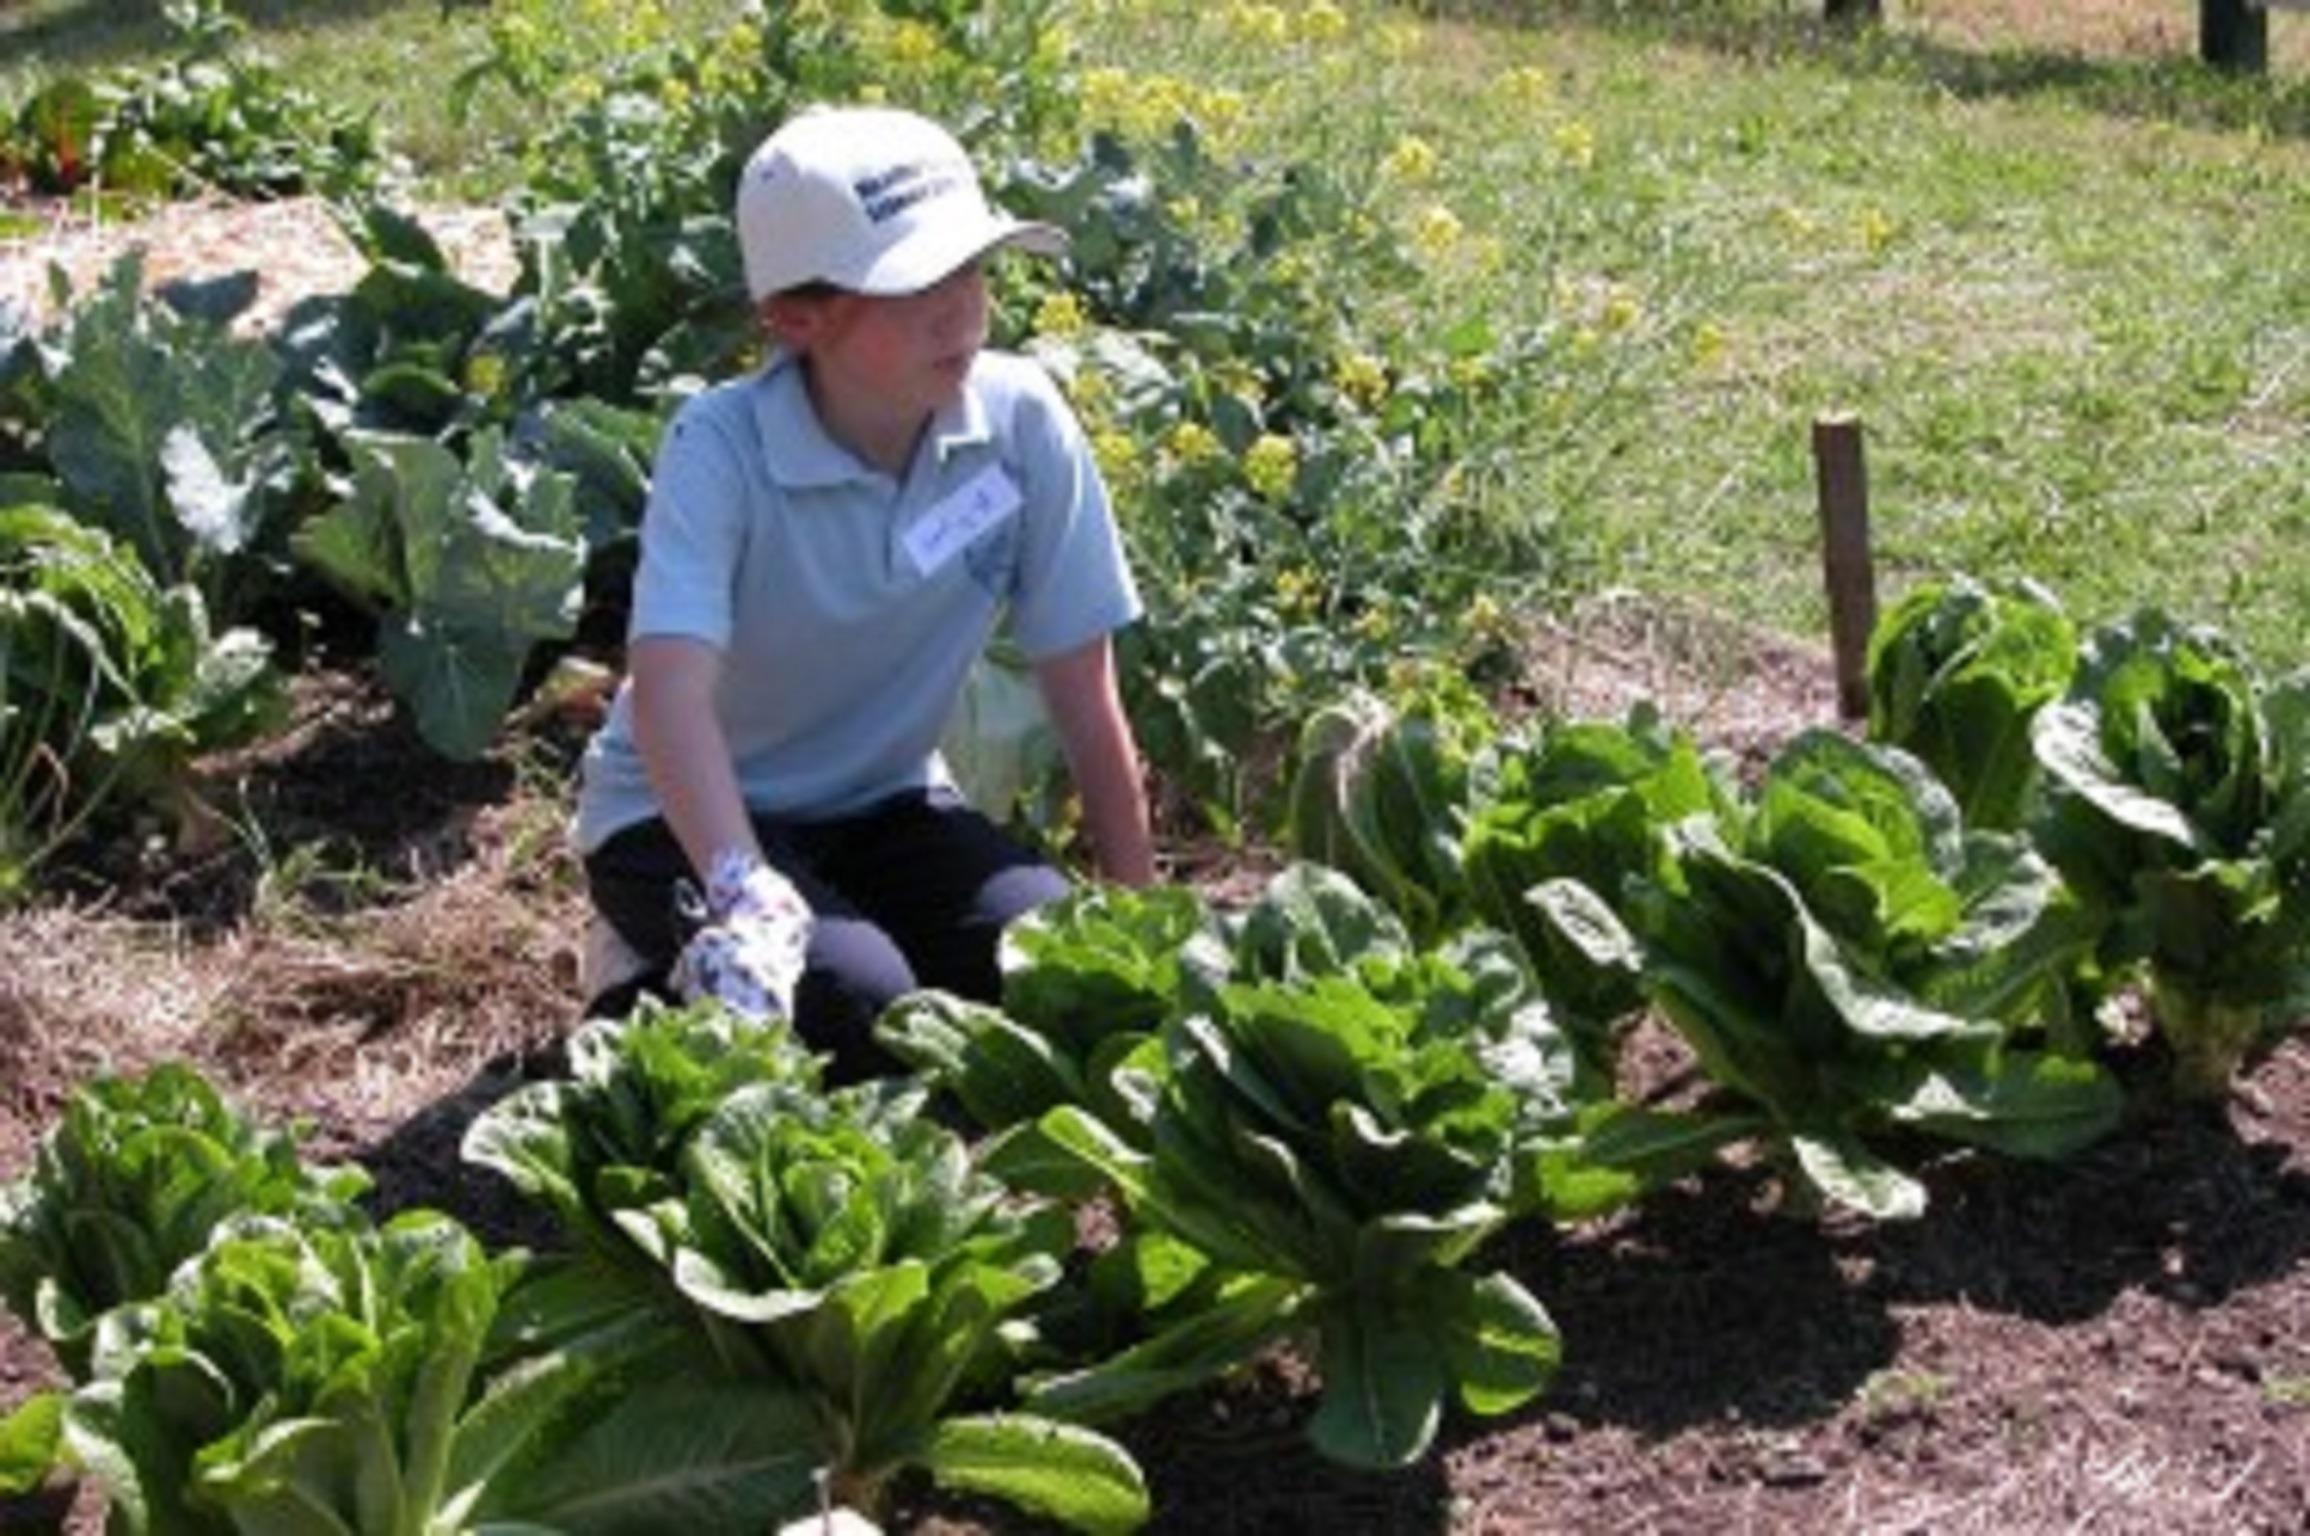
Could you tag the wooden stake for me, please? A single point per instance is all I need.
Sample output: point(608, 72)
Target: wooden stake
point(1846, 567)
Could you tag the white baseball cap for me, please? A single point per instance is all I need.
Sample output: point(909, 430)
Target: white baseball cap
point(870, 199)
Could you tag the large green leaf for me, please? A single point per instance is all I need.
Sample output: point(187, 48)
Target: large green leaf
point(701, 1457)
point(1062, 1471)
point(1384, 1381)
point(475, 564)
point(1249, 1314)
point(1502, 1347)
point(1000, 1070)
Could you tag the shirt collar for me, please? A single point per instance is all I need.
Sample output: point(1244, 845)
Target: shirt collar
point(800, 453)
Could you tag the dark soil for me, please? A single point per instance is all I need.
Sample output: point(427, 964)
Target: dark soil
point(2117, 1343)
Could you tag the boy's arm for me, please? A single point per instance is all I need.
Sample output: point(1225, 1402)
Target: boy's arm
point(681, 743)
point(1078, 688)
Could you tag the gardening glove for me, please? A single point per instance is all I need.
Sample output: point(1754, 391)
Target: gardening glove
point(748, 956)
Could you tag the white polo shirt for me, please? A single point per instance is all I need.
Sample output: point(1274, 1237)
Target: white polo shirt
point(849, 605)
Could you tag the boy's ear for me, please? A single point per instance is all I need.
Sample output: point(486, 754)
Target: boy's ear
point(792, 320)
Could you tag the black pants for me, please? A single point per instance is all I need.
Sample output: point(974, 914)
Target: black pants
point(912, 892)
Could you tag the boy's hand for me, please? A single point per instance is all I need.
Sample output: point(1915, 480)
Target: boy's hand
point(749, 955)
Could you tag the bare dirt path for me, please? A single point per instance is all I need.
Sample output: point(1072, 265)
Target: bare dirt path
point(293, 246)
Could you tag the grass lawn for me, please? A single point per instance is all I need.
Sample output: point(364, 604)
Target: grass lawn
point(2052, 264)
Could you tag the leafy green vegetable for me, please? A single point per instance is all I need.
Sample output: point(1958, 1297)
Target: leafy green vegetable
point(31, 1439)
point(614, 1131)
point(110, 685)
point(1843, 968)
point(295, 1378)
point(163, 434)
point(2178, 807)
point(473, 564)
point(1550, 851)
point(1341, 1139)
point(1087, 981)
point(1381, 794)
point(834, 1246)
point(1957, 670)
point(129, 1184)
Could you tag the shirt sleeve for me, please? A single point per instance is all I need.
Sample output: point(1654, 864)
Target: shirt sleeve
point(693, 531)
point(1074, 583)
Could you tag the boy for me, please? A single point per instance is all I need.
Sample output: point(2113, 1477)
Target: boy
point(828, 545)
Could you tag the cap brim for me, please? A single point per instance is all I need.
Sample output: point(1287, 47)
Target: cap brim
point(934, 254)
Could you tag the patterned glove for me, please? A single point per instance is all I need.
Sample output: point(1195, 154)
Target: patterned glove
point(748, 956)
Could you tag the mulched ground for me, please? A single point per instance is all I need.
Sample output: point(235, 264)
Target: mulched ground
point(2118, 1343)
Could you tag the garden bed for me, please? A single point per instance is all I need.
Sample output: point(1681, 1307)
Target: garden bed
point(2120, 1342)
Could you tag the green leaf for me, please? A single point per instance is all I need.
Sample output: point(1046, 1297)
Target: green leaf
point(1501, 1344)
point(1250, 1313)
point(1848, 1173)
point(471, 584)
point(31, 1440)
point(1384, 1379)
point(1062, 1471)
point(702, 1458)
point(1001, 1071)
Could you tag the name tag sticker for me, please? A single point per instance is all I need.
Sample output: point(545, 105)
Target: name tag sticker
point(948, 528)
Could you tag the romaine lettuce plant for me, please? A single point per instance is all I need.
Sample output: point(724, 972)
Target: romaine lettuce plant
point(303, 1379)
point(110, 684)
point(129, 1184)
point(1957, 670)
point(1845, 969)
point(2178, 806)
point(836, 1248)
point(1383, 794)
point(1339, 1144)
point(1567, 823)
point(1087, 981)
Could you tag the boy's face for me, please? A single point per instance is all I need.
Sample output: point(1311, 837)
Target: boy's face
point(907, 354)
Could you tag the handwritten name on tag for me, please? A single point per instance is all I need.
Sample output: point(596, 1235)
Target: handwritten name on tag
point(950, 525)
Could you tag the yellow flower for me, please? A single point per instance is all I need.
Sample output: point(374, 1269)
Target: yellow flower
point(1709, 344)
point(1413, 159)
point(1117, 453)
point(1259, 23)
point(1323, 22)
point(1361, 377)
point(1622, 309)
point(1471, 373)
point(1875, 228)
point(1297, 591)
point(1575, 144)
point(912, 45)
point(1061, 315)
point(1191, 442)
point(1107, 94)
point(1527, 85)
point(485, 374)
point(1437, 231)
point(1399, 40)
point(1271, 465)
point(1090, 392)
point(1374, 624)
point(674, 91)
